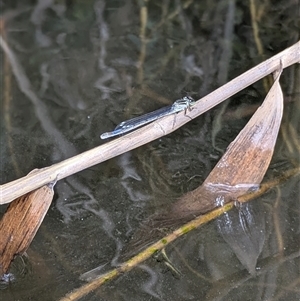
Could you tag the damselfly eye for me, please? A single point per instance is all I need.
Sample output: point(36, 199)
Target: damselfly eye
point(188, 98)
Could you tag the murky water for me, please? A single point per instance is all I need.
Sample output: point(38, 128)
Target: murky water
point(85, 66)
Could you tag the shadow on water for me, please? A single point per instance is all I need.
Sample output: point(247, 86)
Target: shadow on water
point(85, 66)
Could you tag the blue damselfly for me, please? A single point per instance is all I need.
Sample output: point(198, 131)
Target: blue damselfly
point(131, 124)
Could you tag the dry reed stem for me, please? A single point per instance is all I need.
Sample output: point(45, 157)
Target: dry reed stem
point(155, 130)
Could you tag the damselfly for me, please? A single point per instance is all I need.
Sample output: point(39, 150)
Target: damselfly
point(131, 124)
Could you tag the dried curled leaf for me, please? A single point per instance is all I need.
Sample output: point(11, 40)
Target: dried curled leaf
point(20, 223)
point(244, 230)
point(241, 169)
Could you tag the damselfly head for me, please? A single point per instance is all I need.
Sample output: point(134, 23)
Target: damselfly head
point(183, 103)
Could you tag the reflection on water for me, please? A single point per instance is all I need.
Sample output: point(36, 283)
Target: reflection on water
point(81, 67)
point(244, 231)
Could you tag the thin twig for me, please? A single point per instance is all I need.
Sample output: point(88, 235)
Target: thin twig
point(142, 256)
point(163, 242)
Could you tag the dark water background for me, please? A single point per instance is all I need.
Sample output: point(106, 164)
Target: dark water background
point(90, 66)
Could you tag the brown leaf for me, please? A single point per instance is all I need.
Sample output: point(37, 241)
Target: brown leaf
point(20, 223)
point(241, 168)
point(245, 162)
